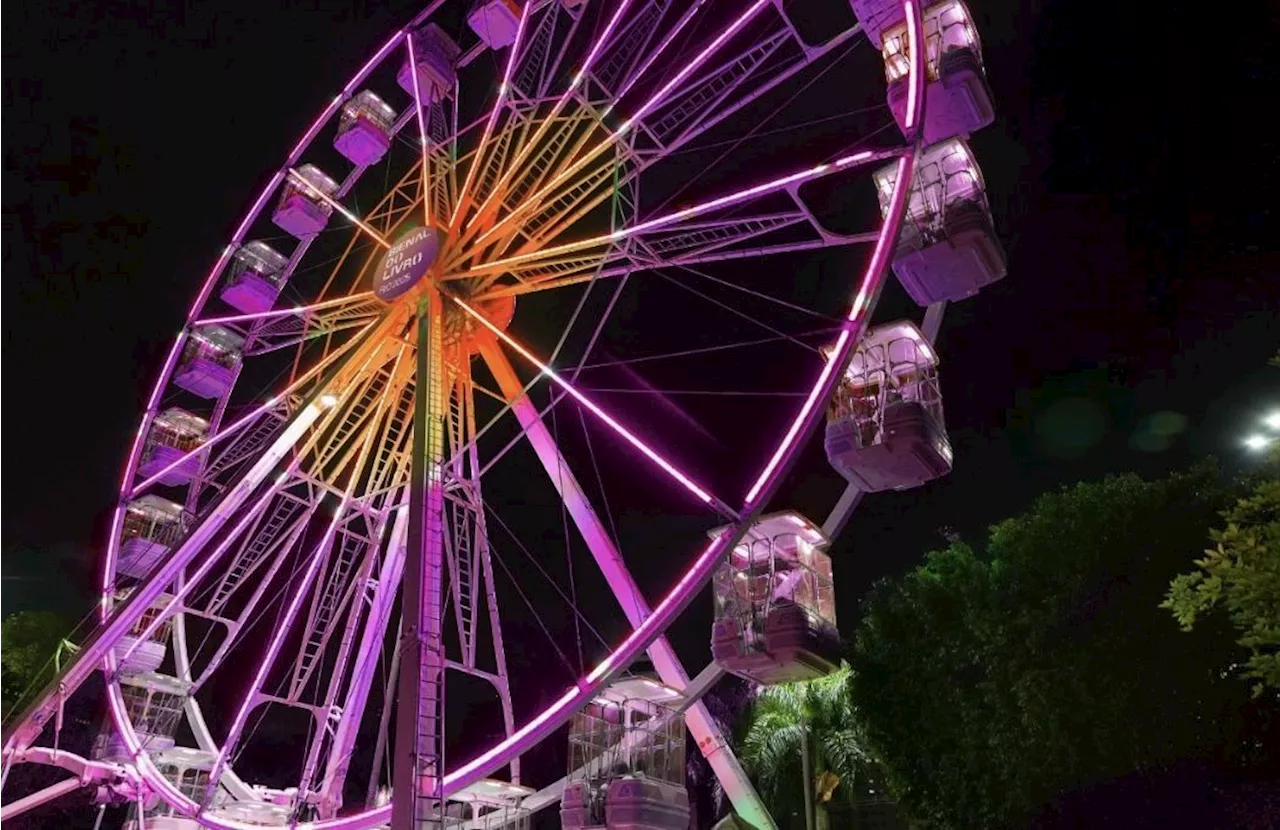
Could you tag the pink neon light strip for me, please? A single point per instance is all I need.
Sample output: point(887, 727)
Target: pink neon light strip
point(131, 469)
point(662, 47)
point(311, 189)
point(913, 43)
point(631, 439)
point(693, 65)
point(287, 312)
point(696, 210)
point(599, 44)
point(422, 131)
point(278, 637)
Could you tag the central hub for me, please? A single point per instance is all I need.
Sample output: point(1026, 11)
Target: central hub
point(409, 266)
point(406, 263)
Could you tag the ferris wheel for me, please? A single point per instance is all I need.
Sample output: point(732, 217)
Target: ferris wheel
point(518, 216)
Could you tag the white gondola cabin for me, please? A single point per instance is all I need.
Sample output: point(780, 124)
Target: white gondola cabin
point(188, 771)
point(947, 249)
point(885, 429)
point(491, 803)
point(436, 56)
point(626, 761)
point(152, 526)
point(175, 434)
point(957, 97)
point(154, 704)
point(495, 22)
point(210, 362)
point(255, 278)
point(256, 813)
point(303, 209)
point(775, 614)
point(144, 655)
point(364, 129)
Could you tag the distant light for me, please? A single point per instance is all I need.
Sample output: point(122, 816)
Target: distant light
point(327, 400)
point(1257, 443)
point(1272, 420)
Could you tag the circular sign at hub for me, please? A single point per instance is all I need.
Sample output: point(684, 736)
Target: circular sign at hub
point(405, 263)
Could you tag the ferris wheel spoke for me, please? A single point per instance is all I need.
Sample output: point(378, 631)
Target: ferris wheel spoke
point(368, 655)
point(291, 327)
point(604, 550)
point(569, 174)
point(536, 157)
point(679, 230)
point(482, 155)
point(244, 564)
point(299, 181)
point(256, 563)
point(736, 82)
point(335, 617)
point(500, 366)
point(255, 696)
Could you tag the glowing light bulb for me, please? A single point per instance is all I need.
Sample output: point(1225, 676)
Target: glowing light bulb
point(1272, 421)
point(327, 400)
point(1257, 443)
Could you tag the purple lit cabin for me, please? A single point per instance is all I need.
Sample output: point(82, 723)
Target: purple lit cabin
point(209, 362)
point(152, 526)
point(364, 129)
point(492, 803)
point(257, 272)
point(303, 210)
point(154, 704)
point(957, 97)
point(947, 249)
point(495, 22)
point(885, 429)
point(174, 433)
point(775, 613)
point(149, 653)
point(435, 54)
point(626, 761)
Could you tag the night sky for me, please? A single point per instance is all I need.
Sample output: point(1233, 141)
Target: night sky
point(1126, 170)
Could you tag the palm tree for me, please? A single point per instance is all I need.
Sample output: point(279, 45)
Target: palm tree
point(806, 734)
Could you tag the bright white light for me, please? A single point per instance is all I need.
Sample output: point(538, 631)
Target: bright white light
point(1257, 443)
point(1272, 420)
point(327, 400)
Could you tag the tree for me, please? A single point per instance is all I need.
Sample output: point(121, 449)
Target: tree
point(29, 640)
point(994, 682)
point(1241, 574)
point(802, 743)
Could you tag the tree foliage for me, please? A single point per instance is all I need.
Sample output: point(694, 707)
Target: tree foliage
point(28, 642)
point(1241, 574)
point(991, 682)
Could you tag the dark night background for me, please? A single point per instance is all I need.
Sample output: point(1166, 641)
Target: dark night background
point(1127, 171)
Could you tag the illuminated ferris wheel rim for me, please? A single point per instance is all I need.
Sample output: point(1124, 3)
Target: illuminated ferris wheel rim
point(665, 612)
